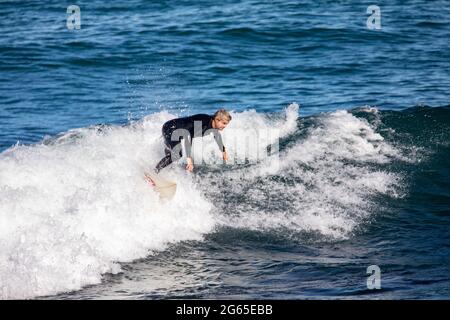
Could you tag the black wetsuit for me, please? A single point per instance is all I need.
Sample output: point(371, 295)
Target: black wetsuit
point(189, 128)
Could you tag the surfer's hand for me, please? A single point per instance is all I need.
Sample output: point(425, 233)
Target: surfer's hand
point(190, 164)
point(225, 156)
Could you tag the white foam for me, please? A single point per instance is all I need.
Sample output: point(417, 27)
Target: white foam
point(247, 136)
point(71, 209)
point(324, 182)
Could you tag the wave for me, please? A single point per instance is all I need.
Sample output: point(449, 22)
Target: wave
point(323, 181)
point(75, 206)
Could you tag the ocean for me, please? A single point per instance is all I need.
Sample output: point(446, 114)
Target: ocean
point(352, 201)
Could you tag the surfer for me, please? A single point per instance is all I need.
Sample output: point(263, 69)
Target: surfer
point(185, 129)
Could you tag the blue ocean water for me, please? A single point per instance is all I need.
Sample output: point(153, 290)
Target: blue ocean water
point(364, 129)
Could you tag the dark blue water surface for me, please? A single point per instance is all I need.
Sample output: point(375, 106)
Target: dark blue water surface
point(131, 58)
point(135, 58)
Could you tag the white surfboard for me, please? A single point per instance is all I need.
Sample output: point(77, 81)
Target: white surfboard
point(165, 188)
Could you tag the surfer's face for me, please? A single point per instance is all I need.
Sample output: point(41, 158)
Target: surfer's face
point(220, 124)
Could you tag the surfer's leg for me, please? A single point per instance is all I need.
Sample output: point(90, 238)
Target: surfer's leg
point(173, 153)
point(164, 162)
point(172, 148)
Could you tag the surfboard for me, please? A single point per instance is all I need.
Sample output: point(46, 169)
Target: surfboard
point(165, 188)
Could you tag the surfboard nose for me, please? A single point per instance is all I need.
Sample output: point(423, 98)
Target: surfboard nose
point(149, 179)
point(165, 188)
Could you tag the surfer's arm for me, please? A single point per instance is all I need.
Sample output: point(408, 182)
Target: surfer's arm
point(187, 146)
point(218, 138)
point(187, 141)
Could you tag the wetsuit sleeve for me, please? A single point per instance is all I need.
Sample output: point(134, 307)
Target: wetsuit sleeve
point(187, 140)
point(218, 138)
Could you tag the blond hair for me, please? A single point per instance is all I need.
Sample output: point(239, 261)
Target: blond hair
point(222, 114)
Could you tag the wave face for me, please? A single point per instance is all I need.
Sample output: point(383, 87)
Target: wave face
point(324, 180)
point(75, 206)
